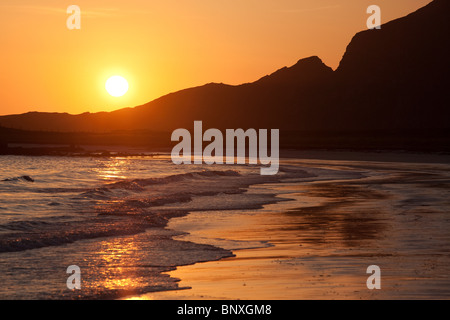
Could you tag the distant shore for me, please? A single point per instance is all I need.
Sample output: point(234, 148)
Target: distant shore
point(384, 155)
point(132, 143)
point(27, 149)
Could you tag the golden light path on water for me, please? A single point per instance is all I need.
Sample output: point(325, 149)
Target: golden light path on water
point(113, 169)
point(122, 255)
point(115, 259)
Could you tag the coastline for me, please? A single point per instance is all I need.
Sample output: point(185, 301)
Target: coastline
point(343, 215)
point(319, 245)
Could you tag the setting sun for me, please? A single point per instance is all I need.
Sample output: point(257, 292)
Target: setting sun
point(116, 86)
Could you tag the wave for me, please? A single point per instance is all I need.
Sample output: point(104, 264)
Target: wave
point(138, 184)
point(39, 234)
point(23, 225)
point(132, 206)
point(135, 185)
point(21, 178)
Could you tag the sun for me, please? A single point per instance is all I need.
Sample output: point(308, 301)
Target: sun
point(116, 86)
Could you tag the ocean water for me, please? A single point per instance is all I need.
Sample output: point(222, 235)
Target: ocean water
point(128, 222)
point(108, 216)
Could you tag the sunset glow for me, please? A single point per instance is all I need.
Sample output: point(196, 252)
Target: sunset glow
point(163, 46)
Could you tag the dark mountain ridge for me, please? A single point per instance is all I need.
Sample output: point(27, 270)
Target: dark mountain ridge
point(389, 80)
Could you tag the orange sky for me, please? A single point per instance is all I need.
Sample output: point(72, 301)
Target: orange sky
point(161, 46)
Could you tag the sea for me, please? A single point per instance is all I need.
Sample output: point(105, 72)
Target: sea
point(109, 217)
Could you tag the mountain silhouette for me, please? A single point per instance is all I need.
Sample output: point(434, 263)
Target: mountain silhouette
point(218, 105)
point(396, 77)
point(389, 80)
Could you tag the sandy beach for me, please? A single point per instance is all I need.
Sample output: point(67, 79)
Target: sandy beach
point(319, 244)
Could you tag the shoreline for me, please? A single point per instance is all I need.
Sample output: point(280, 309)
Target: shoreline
point(347, 216)
point(359, 154)
point(322, 243)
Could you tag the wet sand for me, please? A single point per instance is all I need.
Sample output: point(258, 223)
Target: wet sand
point(319, 245)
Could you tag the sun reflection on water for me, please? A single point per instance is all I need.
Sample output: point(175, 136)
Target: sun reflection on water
point(114, 169)
point(118, 255)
